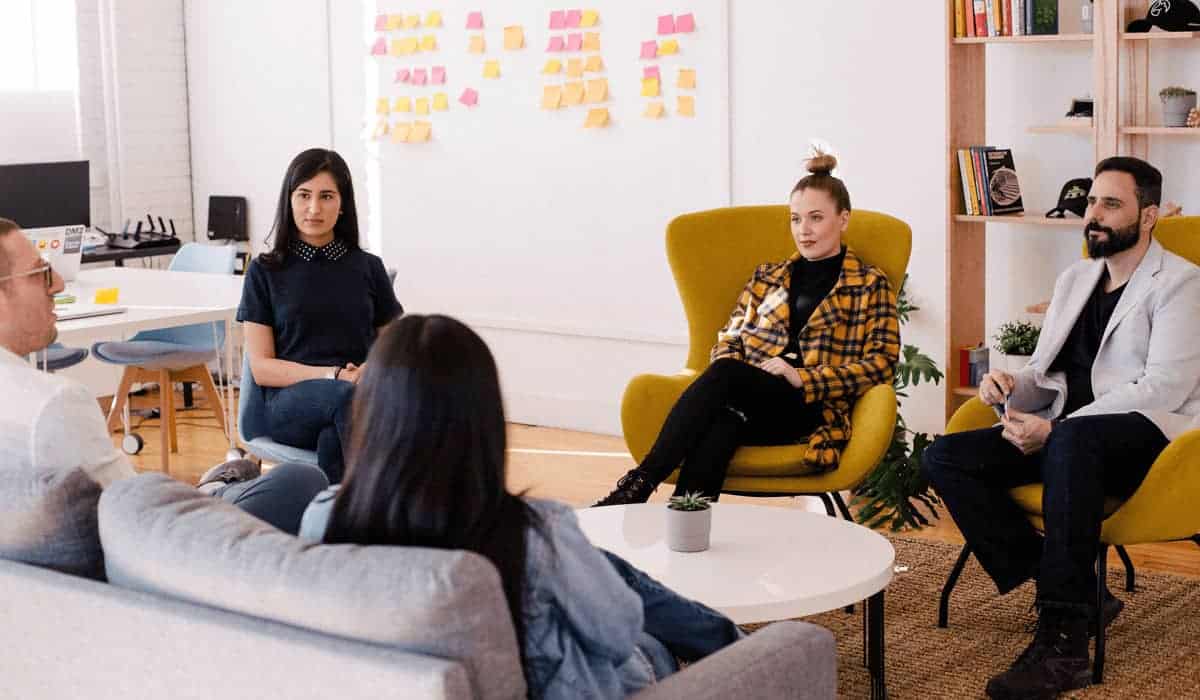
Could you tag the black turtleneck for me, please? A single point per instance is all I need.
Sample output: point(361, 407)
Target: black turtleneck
point(812, 280)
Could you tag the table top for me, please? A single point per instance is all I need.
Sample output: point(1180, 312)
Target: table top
point(765, 563)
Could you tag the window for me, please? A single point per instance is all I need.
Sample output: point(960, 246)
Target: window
point(38, 48)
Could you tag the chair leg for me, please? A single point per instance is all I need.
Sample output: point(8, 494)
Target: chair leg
point(951, 582)
point(1101, 577)
point(164, 417)
point(120, 398)
point(200, 375)
point(1130, 574)
point(828, 505)
point(841, 504)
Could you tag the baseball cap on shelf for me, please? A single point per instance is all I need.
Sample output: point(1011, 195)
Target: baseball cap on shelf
point(1073, 198)
point(1171, 15)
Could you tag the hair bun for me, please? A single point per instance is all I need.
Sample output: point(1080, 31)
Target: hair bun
point(821, 163)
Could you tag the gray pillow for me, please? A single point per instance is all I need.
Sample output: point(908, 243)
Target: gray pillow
point(48, 519)
point(163, 537)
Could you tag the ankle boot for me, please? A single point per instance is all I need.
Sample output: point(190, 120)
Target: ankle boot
point(635, 487)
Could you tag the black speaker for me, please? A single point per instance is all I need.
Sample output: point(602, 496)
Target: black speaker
point(227, 218)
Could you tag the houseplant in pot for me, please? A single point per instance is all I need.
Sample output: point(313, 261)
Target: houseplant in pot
point(689, 521)
point(1016, 341)
point(1177, 102)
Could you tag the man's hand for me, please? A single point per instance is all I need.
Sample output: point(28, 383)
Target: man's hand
point(780, 368)
point(1027, 432)
point(995, 386)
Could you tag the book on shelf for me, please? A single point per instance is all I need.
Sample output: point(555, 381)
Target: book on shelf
point(1008, 26)
point(1018, 17)
point(980, 184)
point(960, 28)
point(968, 8)
point(1001, 185)
point(989, 16)
point(1042, 16)
point(981, 23)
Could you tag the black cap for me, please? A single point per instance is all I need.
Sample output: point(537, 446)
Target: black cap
point(1073, 198)
point(1171, 15)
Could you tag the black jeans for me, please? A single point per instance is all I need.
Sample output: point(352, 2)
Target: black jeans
point(279, 496)
point(731, 404)
point(1084, 461)
point(313, 414)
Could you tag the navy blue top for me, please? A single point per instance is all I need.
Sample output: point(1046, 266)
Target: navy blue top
point(323, 304)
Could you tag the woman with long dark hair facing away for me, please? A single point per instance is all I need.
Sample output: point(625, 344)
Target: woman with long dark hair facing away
point(427, 469)
point(807, 337)
point(311, 308)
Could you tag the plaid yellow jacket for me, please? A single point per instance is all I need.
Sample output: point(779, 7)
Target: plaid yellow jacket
point(850, 344)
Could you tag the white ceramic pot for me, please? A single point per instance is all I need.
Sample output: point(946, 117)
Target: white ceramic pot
point(1015, 363)
point(1176, 108)
point(688, 530)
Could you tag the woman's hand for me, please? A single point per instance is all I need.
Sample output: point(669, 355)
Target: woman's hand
point(780, 368)
point(350, 373)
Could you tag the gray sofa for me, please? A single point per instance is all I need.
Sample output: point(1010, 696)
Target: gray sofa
point(204, 601)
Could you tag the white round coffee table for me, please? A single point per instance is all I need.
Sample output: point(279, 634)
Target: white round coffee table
point(764, 563)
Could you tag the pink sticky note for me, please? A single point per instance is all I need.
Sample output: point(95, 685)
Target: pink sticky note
point(556, 44)
point(651, 72)
point(649, 49)
point(381, 23)
point(574, 17)
point(666, 24)
point(380, 47)
point(420, 76)
point(469, 97)
point(558, 19)
point(403, 75)
point(685, 23)
point(575, 42)
point(438, 76)
point(475, 20)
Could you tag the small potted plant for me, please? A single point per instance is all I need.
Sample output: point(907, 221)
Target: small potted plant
point(689, 521)
point(1016, 341)
point(1177, 102)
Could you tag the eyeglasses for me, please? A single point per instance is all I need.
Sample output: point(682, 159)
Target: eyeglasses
point(45, 271)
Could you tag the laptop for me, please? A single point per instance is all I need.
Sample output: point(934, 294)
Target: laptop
point(61, 246)
point(71, 312)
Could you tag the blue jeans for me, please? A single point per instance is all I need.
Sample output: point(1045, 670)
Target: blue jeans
point(313, 414)
point(278, 497)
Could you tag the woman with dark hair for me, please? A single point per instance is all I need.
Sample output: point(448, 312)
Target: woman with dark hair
point(427, 469)
point(808, 335)
point(311, 307)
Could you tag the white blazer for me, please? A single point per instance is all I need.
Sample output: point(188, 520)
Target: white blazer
point(1149, 356)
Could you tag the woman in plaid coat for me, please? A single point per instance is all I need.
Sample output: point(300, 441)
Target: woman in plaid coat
point(808, 336)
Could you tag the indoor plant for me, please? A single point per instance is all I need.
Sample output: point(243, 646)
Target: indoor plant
point(689, 521)
point(1177, 102)
point(1016, 341)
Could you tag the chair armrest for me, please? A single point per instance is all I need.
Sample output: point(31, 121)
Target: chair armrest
point(783, 660)
point(972, 415)
point(647, 400)
point(1164, 506)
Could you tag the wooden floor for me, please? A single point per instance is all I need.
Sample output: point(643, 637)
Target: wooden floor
point(573, 467)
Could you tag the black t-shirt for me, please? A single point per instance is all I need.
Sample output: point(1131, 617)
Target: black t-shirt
point(811, 283)
point(1078, 353)
point(323, 304)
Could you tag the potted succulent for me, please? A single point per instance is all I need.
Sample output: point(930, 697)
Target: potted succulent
point(1016, 342)
point(689, 521)
point(1177, 102)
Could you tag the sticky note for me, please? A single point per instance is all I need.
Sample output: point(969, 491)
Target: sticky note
point(429, 43)
point(574, 17)
point(420, 76)
point(685, 24)
point(686, 106)
point(594, 64)
point(552, 67)
point(591, 41)
point(651, 72)
point(420, 132)
point(438, 75)
point(382, 106)
point(654, 110)
point(108, 295)
point(597, 118)
point(477, 44)
point(469, 97)
point(552, 97)
point(396, 47)
point(687, 78)
point(573, 94)
point(400, 131)
point(558, 19)
point(403, 76)
point(403, 104)
point(589, 19)
point(380, 47)
point(514, 38)
point(412, 21)
point(670, 47)
point(380, 130)
point(649, 49)
point(666, 24)
point(650, 87)
point(597, 90)
point(433, 19)
point(381, 23)
point(575, 68)
point(575, 42)
point(557, 43)
point(422, 105)
point(441, 103)
point(491, 69)
point(409, 46)
point(475, 20)
point(395, 22)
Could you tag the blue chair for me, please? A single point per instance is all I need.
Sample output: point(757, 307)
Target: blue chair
point(58, 357)
point(252, 425)
point(170, 355)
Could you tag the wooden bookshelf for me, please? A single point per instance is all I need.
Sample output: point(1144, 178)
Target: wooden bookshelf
point(966, 391)
point(1029, 39)
point(1159, 36)
point(1018, 220)
point(1184, 131)
point(1081, 129)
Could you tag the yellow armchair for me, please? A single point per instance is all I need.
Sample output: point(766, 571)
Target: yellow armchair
point(712, 254)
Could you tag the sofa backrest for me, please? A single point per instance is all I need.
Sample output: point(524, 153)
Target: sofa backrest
point(164, 537)
point(48, 518)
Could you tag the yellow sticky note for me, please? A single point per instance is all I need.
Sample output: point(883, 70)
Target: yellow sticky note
point(654, 110)
point(686, 106)
point(422, 105)
point(669, 47)
point(381, 105)
point(514, 38)
point(441, 103)
point(573, 94)
point(597, 118)
point(552, 67)
point(491, 69)
point(687, 78)
point(109, 295)
point(409, 46)
point(396, 48)
point(429, 43)
point(420, 132)
point(403, 104)
point(589, 18)
point(412, 21)
point(381, 128)
point(597, 90)
point(433, 19)
point(575, 68)
point(591, 41)
point(477, 44)
point(400, 132)
point(552, 97)
point(594, 64)
point(394, 22)
point(649, 87)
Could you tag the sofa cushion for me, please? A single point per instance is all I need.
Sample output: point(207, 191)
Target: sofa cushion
point(49, 520)
point(163, 537)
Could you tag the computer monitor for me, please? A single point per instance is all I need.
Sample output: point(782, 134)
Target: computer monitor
point(51, 202)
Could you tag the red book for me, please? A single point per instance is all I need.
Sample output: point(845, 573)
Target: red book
point(968, 10)
point(964, 366)
point(981, 24)
point(1008, 19)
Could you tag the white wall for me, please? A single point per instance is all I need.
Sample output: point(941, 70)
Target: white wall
point(38, 127)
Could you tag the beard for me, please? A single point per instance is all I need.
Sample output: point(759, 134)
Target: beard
point(1118, 240)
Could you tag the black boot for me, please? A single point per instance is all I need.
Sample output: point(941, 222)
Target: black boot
point(1112, 607)
point(635, 487)
point(1056, 661)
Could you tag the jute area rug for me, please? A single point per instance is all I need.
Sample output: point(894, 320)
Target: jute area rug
point(1153, 647)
